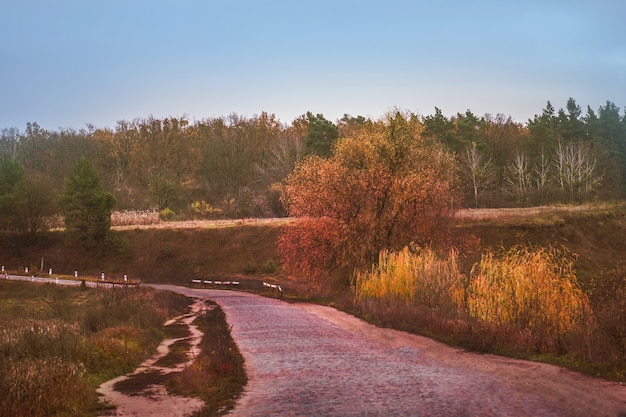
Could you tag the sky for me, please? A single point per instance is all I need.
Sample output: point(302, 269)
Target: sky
point(69, 63)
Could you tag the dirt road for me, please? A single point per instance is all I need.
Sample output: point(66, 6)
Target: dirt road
point(309, 360)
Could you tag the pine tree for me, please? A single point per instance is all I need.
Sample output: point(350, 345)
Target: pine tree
point(86, 206)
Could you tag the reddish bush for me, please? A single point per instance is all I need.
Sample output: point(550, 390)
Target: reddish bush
point(384, 189)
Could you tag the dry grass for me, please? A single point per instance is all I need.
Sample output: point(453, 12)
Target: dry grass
point(537, 216)
point(134, 217)
point(54, 353)
point(205, 224)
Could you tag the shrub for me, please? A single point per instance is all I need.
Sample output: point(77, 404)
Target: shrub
point(68, 340)
point(269, 266)
point(204, 209)
point(417, 277)
point(534, 290)
point(307, 247)
point(608, 297)
point(167, 214)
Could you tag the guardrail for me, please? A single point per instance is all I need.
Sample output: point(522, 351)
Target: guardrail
point(236, 284)
point(72, 282)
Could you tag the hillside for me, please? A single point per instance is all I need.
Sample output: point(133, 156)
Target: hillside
point(175, 252)
point(594, 233)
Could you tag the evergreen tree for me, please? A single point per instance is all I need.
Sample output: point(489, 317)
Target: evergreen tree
point(86, 206)
point(322, 135)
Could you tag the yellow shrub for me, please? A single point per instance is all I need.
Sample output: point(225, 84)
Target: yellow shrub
point(204, 209)
point(535, 290)
point(415, 276)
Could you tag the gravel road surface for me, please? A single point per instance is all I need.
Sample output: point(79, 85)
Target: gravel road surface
point(309, 360)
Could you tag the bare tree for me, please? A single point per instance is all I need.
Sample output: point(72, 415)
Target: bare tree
point(281, 159)
point(518, 176)
point(576, 169)
point(541, 175)
point(9, 142)
point(476, 170)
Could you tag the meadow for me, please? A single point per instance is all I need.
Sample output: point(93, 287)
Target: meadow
point(57, 344)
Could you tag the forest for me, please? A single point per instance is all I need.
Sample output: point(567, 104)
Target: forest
point(235, 166)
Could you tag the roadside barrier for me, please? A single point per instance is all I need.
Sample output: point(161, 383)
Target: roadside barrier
point(247, 284)
point(67, 280)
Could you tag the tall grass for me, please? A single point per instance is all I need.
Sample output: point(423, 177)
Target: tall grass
point(57, 344)
point(44, 387)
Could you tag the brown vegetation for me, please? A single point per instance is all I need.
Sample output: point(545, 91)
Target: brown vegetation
point(58, 343)
point(158, 254)
point(594, 235)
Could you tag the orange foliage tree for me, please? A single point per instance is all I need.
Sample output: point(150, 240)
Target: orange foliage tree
point(383, 188)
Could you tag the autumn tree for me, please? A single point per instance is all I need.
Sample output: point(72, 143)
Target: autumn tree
point(11, 192)
point(165, 158)
point(86, 206)
point(38, 203)
point(236, 154)
point(382, 189)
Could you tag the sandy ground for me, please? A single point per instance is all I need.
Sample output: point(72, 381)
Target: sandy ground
point(310, 360)
point(154, 400)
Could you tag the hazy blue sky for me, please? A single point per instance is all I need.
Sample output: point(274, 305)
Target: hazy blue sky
point(66, 63)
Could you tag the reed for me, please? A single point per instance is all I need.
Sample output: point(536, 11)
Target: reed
point(134, 217)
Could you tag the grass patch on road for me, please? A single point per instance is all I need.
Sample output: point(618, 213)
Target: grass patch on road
point(217, 376)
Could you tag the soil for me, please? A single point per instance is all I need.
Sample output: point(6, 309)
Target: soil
point(305, 360)
point(143, 393)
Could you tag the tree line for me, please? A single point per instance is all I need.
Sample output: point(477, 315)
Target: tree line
point(235, 166)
